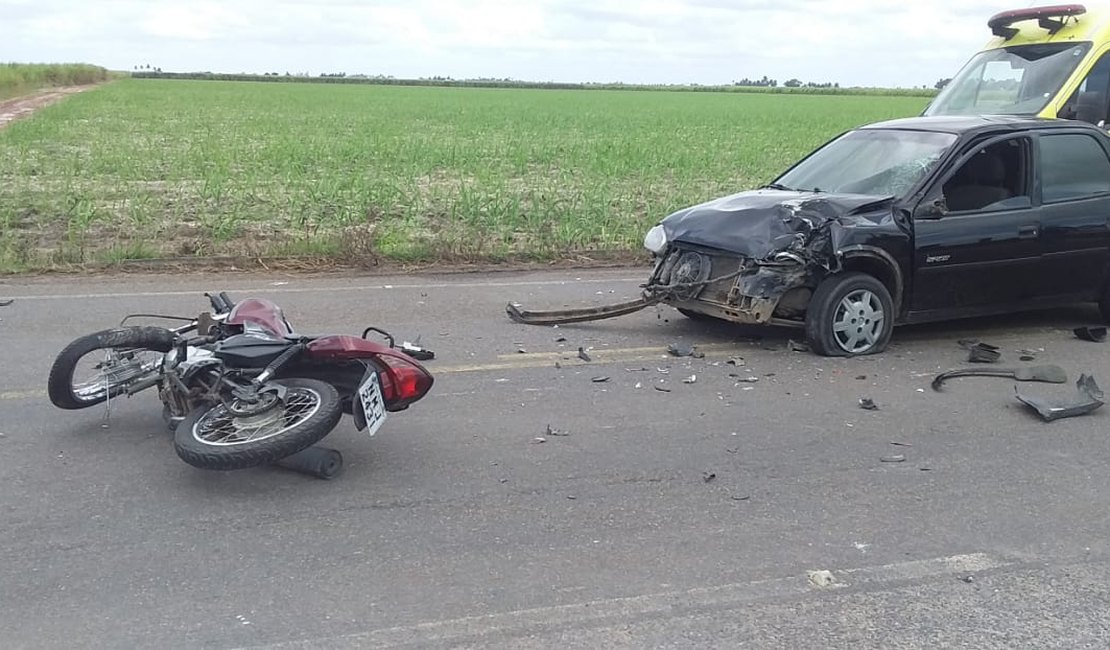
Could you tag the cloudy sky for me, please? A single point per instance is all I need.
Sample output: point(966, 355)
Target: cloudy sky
point(852, 42)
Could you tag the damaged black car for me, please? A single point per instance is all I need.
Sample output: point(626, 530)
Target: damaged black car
point(904, 221)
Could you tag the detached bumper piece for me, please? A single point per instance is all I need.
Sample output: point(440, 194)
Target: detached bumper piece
point(519, 314)
point(1088, 399)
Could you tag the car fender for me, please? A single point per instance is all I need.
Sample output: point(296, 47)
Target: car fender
point(858, 251)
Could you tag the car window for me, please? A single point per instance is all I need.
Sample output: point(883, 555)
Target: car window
point(994, 178)
point(1073, 166)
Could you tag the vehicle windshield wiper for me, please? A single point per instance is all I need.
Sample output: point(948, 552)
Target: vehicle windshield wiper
point(776, 186)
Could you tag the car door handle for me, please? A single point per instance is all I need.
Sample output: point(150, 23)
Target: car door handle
point(1027, 232)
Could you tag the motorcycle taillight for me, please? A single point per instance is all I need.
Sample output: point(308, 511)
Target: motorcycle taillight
point(403, 381)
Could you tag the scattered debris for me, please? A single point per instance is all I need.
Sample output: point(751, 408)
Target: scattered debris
point(746, 497)
point(600, 380)
point(661, 389)
point(736, 361)
point(502, 480)
point(861, 377)
point(571, 497)
point(683, 350)
point(967, 579)
point(795, 346)
point(868, 404)
point(1093, 334)
point(521, 351)
point(1047, 374)
point(744, 380)
point(582, 355)
point(983, 353)
point(555, 432)
point(561, 339)
point(821, 578)
point(417, 352)
point(897, 458)
point(708, 476)
point(539, 440)
point(639, 385)
point(1089, 399)
point(663, 371)
point(690, 380)
point(558, 365)
point(637, 369)
point(901, 444)
point(5, 303)
point(1027, 355)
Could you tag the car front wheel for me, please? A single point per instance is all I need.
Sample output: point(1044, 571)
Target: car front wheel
point(850, 314)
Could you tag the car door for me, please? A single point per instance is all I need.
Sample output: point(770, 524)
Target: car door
point(1075, 214)
point(976, 233)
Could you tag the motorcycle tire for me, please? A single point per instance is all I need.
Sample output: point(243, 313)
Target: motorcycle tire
point(120, 373)
point(210, 437)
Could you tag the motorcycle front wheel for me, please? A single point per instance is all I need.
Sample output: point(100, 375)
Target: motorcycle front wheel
point(103, 364)
point(216, 437)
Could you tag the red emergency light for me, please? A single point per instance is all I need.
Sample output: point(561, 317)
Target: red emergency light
point(1051, 19)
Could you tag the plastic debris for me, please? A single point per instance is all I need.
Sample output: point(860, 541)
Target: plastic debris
point(561, 339)
point(583, 356)
point(1093, 334)
point(417, 352)
point(690, 380)
point(538, 440)
point(1048, 374)
point(736, 361)
point(897, 458)
point(795, 346)
point(868, 404)
point(555, 432)
point(5, 303)
point(821, 578)
point(661, 389)
point(600, 380)
point(683, 350)
point(708, 476)
point(1089, 399)
point(983, 353)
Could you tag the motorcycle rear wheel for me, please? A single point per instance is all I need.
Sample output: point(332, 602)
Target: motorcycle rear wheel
point(123, 355)
point(212, 437)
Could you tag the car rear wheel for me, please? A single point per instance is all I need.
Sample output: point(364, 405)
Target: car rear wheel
point(850, 314)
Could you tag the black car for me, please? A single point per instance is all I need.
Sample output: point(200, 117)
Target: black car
point(905, 221)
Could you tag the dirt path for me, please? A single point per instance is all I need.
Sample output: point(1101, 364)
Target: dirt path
point(13, 109)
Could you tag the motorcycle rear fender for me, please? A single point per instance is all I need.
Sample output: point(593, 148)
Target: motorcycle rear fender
point(342, 346)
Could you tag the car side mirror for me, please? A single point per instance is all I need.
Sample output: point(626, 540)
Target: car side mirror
point(934, 209)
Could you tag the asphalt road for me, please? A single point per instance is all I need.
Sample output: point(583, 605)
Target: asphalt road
point(718, 514)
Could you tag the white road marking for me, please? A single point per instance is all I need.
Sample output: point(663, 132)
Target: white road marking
point(516, 623)
point(330, 289)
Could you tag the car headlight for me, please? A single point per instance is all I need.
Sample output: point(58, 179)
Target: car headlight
point(656, 240)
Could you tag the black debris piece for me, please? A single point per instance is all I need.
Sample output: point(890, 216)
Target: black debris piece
point(747, 497)
point(1027, 357)
point(558, 365)
point(1093, 334)
point(600, 380)
point(983, 353)
point(582, 355)
point(684, 350)
point(1089, 399)
point(571, 497)
point(1047, 374)
point(796, 346)
point(868, 404)
point(861, 377)
point(551, 431)
point(561, 339)
point(967, 344)
point(967, 579)
point(417, 352)
point(661, 389)
point(521, 351)
point(5, 303)
point(708, 476)
point(744, 379)
point(901, 444)
point(898, 458)
point(736, 361)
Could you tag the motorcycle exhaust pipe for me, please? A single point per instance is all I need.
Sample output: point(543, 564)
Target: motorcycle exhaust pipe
point(320, 462)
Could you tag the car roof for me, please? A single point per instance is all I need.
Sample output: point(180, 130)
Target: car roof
point(972, 124)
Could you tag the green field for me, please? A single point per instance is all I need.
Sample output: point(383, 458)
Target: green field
point(157, 168)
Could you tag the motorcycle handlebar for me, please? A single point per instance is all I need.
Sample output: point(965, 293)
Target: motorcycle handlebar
point(221, 303)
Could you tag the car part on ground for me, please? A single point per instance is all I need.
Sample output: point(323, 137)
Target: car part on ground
point(1088, 399)
point(1049, 374)
point(983, 353)
point(1093, 334)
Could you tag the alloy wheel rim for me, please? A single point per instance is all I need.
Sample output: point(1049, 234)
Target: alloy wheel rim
point(858, 321)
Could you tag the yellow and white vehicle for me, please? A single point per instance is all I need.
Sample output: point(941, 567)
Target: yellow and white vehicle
point(1043, 61)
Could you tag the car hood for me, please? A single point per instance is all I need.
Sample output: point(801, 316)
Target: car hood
point(757, 223)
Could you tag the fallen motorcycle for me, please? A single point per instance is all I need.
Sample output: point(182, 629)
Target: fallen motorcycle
point(239, 387)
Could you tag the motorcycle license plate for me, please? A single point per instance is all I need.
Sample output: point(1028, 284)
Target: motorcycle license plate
point(370, 394)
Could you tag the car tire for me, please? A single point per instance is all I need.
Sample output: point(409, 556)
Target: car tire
point(850, 314)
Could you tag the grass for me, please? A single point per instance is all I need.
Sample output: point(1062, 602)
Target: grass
point(22, 78)
point(351, 172)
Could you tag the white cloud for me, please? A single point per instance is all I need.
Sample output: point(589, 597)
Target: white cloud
point(865, 42)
